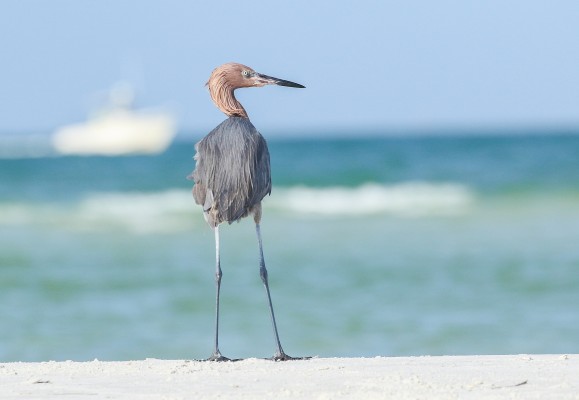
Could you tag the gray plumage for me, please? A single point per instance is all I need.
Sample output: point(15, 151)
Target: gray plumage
point(232, 173)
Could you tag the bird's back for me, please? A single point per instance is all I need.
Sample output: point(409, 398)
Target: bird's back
point(232, 173)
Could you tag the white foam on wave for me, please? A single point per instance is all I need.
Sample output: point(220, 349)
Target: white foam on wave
point(157, 212)
point(174, 210)
point(136, 212)
point(412, 199)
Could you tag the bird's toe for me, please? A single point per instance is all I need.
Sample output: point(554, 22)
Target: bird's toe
point(217, 357)
point(285, 357)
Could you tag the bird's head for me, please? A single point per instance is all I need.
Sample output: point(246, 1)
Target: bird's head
point(235, 76)
point(228, 77)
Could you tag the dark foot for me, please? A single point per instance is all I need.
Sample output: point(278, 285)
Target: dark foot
point(285, 357)
point(219, 358)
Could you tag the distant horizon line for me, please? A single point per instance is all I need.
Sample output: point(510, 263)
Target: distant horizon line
point(352, 132)
point(402, 132)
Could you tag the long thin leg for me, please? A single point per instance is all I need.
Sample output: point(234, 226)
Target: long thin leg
point(216, 356)
point(279, 354)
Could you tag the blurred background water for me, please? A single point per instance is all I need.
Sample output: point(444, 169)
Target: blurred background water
point(375, 246)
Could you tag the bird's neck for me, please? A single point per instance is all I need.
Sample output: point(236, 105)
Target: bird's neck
point(225, 100)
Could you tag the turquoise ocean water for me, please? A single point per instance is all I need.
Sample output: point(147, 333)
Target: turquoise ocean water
point(378, 246)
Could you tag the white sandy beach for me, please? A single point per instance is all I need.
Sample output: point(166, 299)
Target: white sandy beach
point(448, 377)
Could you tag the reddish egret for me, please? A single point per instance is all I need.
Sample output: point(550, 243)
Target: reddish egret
point(232, 173)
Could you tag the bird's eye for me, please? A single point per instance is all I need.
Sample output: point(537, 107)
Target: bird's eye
point(245, 73)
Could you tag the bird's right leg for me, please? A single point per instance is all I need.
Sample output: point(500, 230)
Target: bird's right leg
point(216, 356)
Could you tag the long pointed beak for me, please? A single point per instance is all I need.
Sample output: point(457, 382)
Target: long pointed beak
point(269, 80)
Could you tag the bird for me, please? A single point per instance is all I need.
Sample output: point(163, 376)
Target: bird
point(232, 174)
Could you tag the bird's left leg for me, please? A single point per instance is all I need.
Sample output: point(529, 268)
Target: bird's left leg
point(279, 354)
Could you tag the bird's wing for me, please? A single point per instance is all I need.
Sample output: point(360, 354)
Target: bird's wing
point(232, 173)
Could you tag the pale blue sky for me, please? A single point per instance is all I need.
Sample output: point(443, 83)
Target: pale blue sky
point(366, 64)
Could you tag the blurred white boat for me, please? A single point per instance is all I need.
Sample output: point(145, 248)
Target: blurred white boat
point(117, 130)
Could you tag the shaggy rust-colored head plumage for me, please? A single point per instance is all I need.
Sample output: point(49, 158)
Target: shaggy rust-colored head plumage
point(228, 77)
point(222, 82)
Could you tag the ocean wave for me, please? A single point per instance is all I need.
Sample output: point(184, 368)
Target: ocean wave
point(141, 213)
point(410, 199)
point(174, 210)
point(157, 212)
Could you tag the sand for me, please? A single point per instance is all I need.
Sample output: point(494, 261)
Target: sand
point(448, 377)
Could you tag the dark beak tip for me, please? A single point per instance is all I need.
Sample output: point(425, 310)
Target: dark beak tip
point(270, 80)
point(290, 84)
